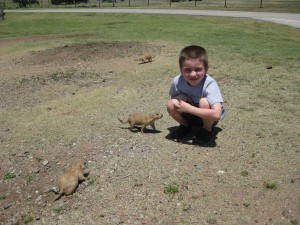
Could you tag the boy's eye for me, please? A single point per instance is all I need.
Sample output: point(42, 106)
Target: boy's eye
point(189, 70)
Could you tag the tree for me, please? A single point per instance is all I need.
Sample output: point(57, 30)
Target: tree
point(25, 3)
point(58, 2)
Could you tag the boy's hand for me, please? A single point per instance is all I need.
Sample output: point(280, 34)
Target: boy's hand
point(183, 106)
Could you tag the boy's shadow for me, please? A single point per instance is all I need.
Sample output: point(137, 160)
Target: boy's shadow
point(188, 139)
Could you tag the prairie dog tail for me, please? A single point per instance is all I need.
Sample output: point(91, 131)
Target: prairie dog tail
point(122, 121)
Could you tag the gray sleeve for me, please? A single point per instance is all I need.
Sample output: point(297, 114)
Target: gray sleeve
point(212, 93)
point(173, 90)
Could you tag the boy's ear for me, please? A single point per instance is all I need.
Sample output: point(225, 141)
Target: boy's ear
point(206, 70)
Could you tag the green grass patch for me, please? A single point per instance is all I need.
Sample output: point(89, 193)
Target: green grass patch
point(294, 222)
point(59, 209)
point(2, 197)
point(29, 179)
point(28, 219)
point(271, 186)
point(9, 176)
point(248, 37)
point(171, 189)
point(244, 173)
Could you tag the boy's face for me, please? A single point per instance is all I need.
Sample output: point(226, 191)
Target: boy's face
point(193, 71)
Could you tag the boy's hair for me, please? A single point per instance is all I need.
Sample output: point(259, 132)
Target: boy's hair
point(193, 52)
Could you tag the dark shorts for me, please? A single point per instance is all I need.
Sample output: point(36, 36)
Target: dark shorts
point(193, 120)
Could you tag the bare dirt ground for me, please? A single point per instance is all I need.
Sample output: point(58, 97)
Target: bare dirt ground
point(60, 105)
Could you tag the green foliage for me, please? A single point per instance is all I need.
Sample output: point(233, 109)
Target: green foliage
point(244, 173)
point(171, 189)
point(28, 219)
point(9, 176)
point(62, 75)
point(59, 2)
point(294, 222)
point(59, 209)
point(29, 179)
point(2, 197)
point(25, 3)
point(272, 186)
point(55, 76)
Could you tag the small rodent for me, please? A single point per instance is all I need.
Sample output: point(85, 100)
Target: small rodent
point(142, 119)
point(68, 183)
point(147, 57)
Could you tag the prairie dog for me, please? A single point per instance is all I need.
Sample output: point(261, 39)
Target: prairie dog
point(147, 57)
point(68, 182)
point(142, 119)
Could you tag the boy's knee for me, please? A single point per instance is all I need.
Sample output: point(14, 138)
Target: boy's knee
point(171, 104)
point(203, 103)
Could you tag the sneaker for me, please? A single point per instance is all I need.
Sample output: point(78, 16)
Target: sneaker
point(181, 132)
point(203, 137)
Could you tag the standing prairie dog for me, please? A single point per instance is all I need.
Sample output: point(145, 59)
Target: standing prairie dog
point(142, 119)
point(68, 183)
point(147, 57)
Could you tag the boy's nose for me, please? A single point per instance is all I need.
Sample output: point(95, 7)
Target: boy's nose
point(193, 73)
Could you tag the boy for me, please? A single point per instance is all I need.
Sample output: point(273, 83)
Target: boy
point(195, 96)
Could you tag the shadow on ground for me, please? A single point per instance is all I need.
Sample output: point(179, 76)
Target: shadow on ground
point(188, 139)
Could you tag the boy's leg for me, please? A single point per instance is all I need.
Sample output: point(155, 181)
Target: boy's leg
point(205, 133)
point(207, 124)
point(184, 127)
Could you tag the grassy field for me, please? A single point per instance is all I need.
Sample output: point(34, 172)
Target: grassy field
point(249, 5)
point(65, 79)
point(245, 36)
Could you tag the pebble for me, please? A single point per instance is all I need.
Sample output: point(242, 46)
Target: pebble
point(116, 220)
point(221, 172)
point(45, 162)
point(7, 206)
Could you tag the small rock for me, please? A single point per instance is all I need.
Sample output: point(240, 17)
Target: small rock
point(221, 172)
point(186, 207)
point(39, 198)
point(116, 220)
point(7, 206)
point(45, 162)
point(286, 213)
